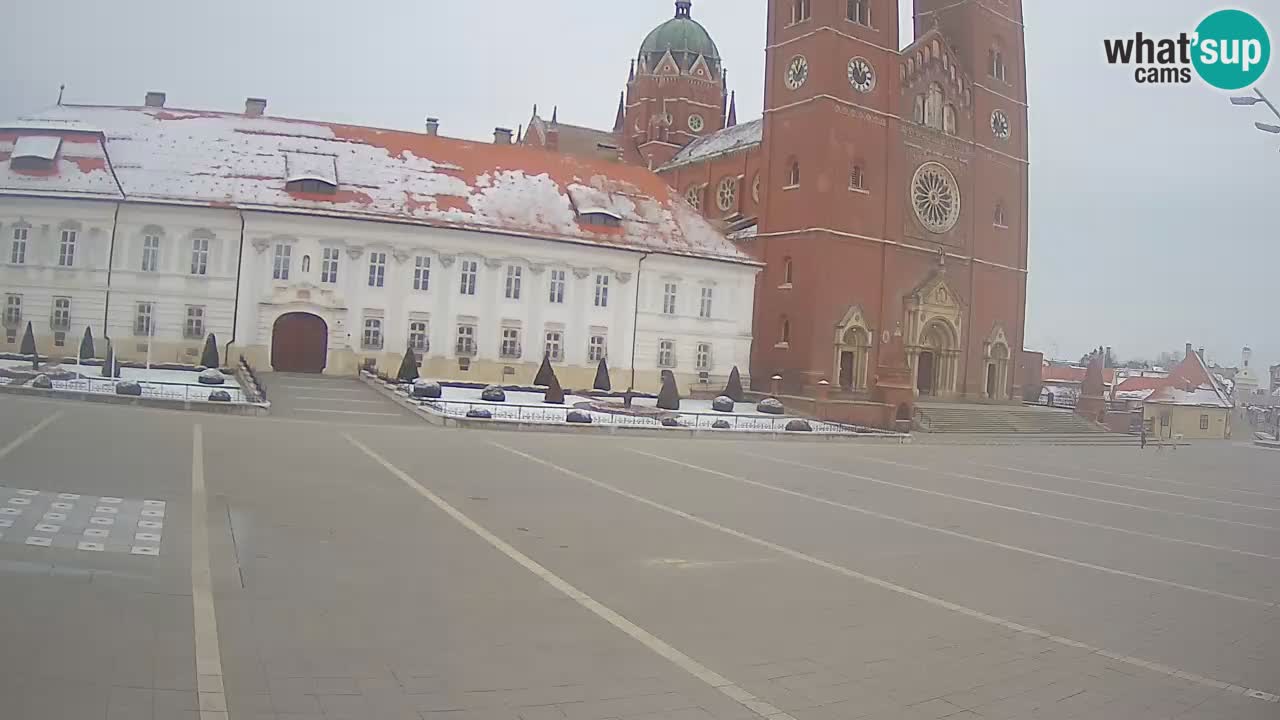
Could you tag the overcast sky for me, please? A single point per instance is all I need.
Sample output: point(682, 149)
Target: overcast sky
point(1149, 204)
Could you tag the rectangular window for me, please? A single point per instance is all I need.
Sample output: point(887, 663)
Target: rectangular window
point(372, 339)
point(1204, 422)
point(557, 286)
point(669, 299)
point(60, 321)
point(12, 311)
point(466, 340)
point(1164, 419)
point(704, 357)
point(142, 319)
point(602, 291)
point(704, 308)
point(422, 273)
point(514, 275)
point(18, 254)
point(470, 269)
point(329, 266)
point(200, 256)
point(856, 178)
point(554, 346)
point(194, 328)
point(284, 254)
point(377, 269)
point(596, 348)
point(859, 11)
point(666, 353)
point(799, 11)
point(510, 342)
point(419, 337)
point(150, 253)
point(67, 249)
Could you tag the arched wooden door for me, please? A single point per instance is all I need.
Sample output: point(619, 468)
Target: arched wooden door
point(299, 343)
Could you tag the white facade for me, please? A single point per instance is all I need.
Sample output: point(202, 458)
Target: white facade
point(181, 263)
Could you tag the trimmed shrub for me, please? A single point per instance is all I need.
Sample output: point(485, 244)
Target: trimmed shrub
point(479, 414)
point(408, 367)
point(733, 389)
point(770, 406)
point(219, 396)
point(209, 357)
point(129, 387)
point(799, 426)
point(86, 343)
point(602, 382)
point(722, 404)
point(212, 376)
point(427, 389)
point(493, 393)
point(670, 422)
point(669, 396)
point(545, 373)
point(578, 417)
point(28, 346)
point(721, 425)
point(555, 394)
point(42, 382)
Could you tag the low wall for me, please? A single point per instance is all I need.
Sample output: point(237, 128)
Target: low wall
point(198, 405)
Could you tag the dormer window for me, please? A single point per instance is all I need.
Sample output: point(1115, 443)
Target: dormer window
point(601, 219)
point(311, 173)
point(35, 152)
point(311, 185)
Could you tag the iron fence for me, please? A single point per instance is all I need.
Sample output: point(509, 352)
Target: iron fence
point(151, 389)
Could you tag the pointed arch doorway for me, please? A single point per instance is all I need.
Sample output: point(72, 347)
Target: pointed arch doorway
point(299, 343)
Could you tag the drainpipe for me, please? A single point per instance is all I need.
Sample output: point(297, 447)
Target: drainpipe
point(235, 312)
point(111, 262)
point(635, 321)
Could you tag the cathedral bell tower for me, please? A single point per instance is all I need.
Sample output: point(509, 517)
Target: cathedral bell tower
point(675, 91)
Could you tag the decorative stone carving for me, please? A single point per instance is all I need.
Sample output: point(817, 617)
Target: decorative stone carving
point(493, 263)
point(400, 255)
point(581, 273)
point(355, 251)
point(261, 245)
point(537, 269)
point(623, 277)
point(447, 260)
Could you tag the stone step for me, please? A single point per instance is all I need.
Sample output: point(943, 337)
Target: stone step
point(1001, 419)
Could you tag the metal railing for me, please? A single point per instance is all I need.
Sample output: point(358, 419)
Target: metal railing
point(151, 389)
point(687, 420)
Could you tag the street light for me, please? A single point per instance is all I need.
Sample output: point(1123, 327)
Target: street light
point(1245, 100)
point(1258, 97)
point(1264, 127)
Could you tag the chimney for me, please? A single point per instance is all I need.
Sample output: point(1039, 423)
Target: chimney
point(155, 99)
point(502, 136)
point(433, 126)
point(255, 107)
point(1200, 352)
point(1189, 349)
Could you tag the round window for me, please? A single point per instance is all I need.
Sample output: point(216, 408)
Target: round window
point(694, 197)
point(696, 123)
point(935, 197)
point(727, 194)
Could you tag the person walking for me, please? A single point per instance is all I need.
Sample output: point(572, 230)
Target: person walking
point(1142, 436)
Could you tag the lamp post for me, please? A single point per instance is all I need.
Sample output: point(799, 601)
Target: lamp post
point(1258, 97)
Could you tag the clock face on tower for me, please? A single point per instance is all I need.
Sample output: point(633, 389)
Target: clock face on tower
point(797, 72)
point(1000, 124)
point(861, 75)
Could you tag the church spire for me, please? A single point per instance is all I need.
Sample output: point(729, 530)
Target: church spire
point(683, 7)
point(733, 110)
point(619, 121)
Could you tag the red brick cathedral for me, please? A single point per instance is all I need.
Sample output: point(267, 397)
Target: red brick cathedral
point(885, 189)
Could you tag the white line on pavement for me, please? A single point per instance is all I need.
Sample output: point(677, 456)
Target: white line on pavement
point(1180, 482)
point(1010, 508)
point(324, 388)
point(1125, 487)
point(210, 691)
point(885, 584)
point(654, 643)
point(1033, 488)
point(346, 412)
point(955, 534)
point(30, 433)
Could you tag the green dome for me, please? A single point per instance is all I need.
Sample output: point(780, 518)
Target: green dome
point(684, 38)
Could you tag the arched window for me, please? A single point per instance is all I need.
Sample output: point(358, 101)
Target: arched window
point(306, 263)
point(917, 112)
point(949, 119)
point(793, 174)
point(933, 107)
point(784, 336)
point(999, 219)
point(856, 178)
point(787, 271)
point(996, 55)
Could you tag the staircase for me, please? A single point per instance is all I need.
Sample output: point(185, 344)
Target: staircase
point(1001, 420)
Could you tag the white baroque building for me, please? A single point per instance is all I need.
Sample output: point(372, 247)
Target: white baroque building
point(318, 247)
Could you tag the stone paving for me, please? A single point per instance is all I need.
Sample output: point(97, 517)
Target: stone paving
point(406, 571)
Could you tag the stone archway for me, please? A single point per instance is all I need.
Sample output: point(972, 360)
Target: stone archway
point(299, 343)
point(936, 360)
point(995, 375)
point(852, 351)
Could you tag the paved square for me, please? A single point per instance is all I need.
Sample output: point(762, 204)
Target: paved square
point(80, 522)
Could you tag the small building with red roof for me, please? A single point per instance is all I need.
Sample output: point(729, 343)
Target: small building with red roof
point(1190, 403)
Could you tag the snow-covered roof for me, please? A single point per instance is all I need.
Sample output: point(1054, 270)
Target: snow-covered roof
point(723, 142)
point(218, 159)
point(1191, 383)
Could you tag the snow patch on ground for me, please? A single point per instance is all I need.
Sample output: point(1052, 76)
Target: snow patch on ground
point(170, 384)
